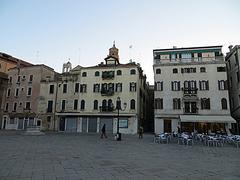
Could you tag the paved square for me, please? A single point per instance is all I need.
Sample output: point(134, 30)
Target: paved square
point(58, 156)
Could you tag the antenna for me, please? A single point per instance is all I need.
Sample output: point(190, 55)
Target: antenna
point(79, 55)
point(37, 56)
point(130, 52)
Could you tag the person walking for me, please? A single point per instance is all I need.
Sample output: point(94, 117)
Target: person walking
point(104, 131)
point(140, 132)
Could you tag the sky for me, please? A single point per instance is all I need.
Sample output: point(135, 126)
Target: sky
point(53, 32)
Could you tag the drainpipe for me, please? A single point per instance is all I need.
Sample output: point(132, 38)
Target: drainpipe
point(55, 107)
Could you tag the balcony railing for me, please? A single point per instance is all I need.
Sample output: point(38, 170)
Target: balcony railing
point(106, 109)
point(190, 91)
point(188, 60)
point(108, 75)
point(105, 92)
point(190, 111)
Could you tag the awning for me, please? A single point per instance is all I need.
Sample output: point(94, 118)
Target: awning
point(207, 119)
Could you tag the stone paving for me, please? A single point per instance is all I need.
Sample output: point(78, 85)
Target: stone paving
point(60, 156)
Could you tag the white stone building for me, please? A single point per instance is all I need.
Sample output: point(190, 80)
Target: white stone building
point(191, 90)
point(232, 60)
point(86, 97)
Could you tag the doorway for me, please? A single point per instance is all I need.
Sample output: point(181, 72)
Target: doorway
point(167, 126)
point(62, 124)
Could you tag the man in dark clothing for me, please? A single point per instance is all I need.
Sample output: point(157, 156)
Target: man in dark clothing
point(104, 131)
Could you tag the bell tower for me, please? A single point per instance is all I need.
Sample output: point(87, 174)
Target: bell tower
point(113, 55)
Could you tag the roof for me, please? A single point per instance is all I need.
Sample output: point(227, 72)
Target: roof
point(15, 60)
point(36, 65)
point(188, 48)
point(232, 51)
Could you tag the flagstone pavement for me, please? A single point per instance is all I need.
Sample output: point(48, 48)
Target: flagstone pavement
point(65, 156)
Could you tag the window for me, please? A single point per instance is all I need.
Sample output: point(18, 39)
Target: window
point(222, 85)
point(119, 72)
point(83, 88)
point(119, 87)
point(175, 85)
point(95, 104)
point(159, 86)
point(158, 103)
point(188, 70)
point(10, 79)
point(236, 59)
point(48, 119)
point(132, 104)
point(110, 87)
point(203, 85)
point(221, 69)
point(51, 89)
point(28, 105)
point(64, 88)
point(16, 92)
point(133, 87)
point(8, 92)
point(205, 103)
point(63, 105)
point(84, 74)
point(133, 71)
point(6, 107)
point(30, 78)
point(76, 87)
point(158, 71)
point(96, 88)
point(238, 74)
point(97, 73)
point(173, 57)
point(75, 104)
point(224, 103)
point(176, 103)
point(14, 106)
point(202, 69)
point(190, 84)
point(82, 105)
point(18, 79)
point(12, 121)
point(29, 92)
point(175, 70)
point(50, 106)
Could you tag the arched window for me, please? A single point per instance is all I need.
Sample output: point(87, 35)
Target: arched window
point(175, 70)
point(104, 102)
point(158, 71)
point(110, 105)
point(84, 74)
point(224, 103)
point(119, 72)
point(82, 105)
point(132, 104)
point(133, 71)
point(97, 73)
point(95, 104)
point(202, 69)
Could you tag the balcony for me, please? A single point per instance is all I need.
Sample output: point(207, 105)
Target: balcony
point(106, 109)
point(190, 111)
point(189, 91)
point(107, 74)
point(105, 92)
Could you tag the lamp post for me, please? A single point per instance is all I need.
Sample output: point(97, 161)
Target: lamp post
point(118, 107)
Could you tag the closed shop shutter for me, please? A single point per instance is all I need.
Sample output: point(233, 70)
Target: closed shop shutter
point(84, 124)
point(109, 124)
point(92, 124)
point(20, 123)
point(71, 124)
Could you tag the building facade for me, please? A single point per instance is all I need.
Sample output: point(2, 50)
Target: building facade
point(191, 91)
point(232, 60)
point(22, 96)
point(3, 88)
point(82, 99)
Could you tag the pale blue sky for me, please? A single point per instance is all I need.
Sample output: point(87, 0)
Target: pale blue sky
point(51, 31)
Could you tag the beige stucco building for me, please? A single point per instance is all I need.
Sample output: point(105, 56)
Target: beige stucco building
point(82, 99)
point(22, 96)
point(191, 90)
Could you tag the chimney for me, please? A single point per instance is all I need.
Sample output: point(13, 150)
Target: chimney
point(230, 47)
point(174, 47)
